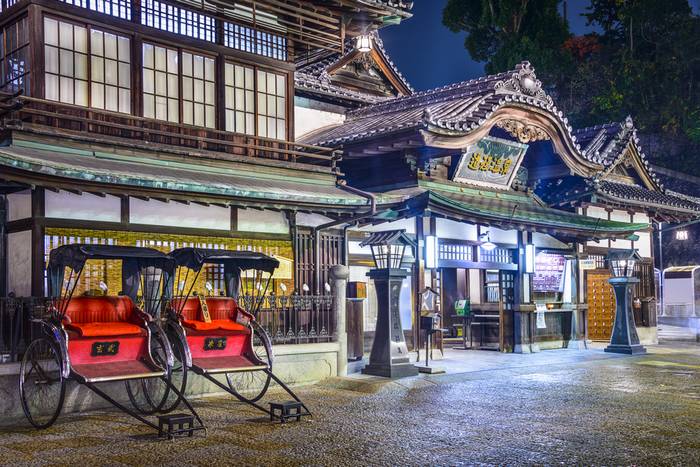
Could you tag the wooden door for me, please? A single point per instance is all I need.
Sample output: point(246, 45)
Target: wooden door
point(601, 305)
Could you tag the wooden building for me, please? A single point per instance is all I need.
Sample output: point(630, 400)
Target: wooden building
point(165, 123)
point(512, 208)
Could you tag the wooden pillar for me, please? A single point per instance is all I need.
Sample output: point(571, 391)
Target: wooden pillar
point(418, 281)
point(523, 319)
point(38, 230)
point(3, 246)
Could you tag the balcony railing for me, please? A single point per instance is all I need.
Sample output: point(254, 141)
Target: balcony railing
point(122, 128)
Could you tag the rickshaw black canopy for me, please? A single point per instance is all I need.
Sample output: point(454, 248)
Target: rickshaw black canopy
point(194, 258)
point(134, 259)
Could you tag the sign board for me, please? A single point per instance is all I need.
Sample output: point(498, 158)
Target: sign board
point(587, 264)
point(490, 162)
point(549, 272)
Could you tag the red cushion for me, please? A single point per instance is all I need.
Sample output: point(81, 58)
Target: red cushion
point(105, 329)
point(100, 309)
point(216, 324)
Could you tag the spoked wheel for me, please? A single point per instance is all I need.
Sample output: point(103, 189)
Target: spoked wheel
point(178, 377)
point(149, 395)
point(42, 387)
point(252, 385)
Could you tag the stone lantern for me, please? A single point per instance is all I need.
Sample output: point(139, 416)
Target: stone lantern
point(389, 356)
point(624, 337)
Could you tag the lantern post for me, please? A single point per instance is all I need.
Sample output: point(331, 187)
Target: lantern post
point(389, 356)
point(624, 337)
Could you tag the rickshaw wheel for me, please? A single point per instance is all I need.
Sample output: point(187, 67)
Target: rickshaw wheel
point(149, 395)
point(42, 387)
point(250, 386)
point(178, 376)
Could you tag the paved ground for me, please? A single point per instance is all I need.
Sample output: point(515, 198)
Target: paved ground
point(571, 407)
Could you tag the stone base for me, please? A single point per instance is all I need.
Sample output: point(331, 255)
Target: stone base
point(576, 344)
point(636, 349)
point(431, 370)
point(401, 370)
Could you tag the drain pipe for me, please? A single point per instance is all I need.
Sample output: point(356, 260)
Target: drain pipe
point(317, 230)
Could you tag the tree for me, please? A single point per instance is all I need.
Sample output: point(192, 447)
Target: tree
point(503, 33)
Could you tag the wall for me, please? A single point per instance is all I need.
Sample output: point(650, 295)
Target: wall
point(620, 216)
point(179, 215)
point(445, 228)
point(19, 263)
point(253, 220)
point(311, 115)
point(65, 205)
point(643, 245)
point(19, 205)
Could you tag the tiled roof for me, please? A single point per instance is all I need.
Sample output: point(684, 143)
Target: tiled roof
point(571, 189)
point(463, 104)
point(313, 76)
point(645, 196)
point(505, 210)
point(605, 145)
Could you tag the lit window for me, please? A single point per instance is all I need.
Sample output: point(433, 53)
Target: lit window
point(66, 62)
point(198, 90)
point(66, 55)
point(240, 99)
point(160, 83)
point(110, 71)
point(271, 105)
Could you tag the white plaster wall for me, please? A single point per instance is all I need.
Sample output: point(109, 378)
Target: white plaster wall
point(312, 220)
point(307, 120)
point(253, 220)
point(501, 236)
point(19, 205)
point(643, 245)
point(620, 216)
point(354, 248)
point(541, 240)
point(475, 285)
point(19, 263)
point(446, 228)
point(65, 205)
point(645, 238)
point(596, 213)
point(179, 215)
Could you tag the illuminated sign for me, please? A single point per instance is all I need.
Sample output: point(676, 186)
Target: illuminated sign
point(490, 162)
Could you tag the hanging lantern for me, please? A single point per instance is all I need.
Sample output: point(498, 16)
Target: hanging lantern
point(364, 43)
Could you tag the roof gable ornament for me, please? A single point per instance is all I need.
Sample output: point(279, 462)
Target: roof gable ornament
point(525, 82)
point(524, 132)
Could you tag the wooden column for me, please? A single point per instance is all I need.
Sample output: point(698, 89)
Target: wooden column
point(418, 282)
point(38, 230)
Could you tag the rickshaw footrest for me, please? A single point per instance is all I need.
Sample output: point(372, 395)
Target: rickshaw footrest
point(286, 410)
point(172, 425)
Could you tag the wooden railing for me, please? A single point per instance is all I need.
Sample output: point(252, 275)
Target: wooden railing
point(75, 120)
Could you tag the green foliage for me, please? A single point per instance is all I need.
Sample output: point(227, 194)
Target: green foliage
point(503, 33)
point(645, 61)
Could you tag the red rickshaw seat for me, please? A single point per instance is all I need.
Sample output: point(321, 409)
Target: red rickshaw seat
point(222, 311)
point(106, 329)
point(214, 325)
point(103, 317)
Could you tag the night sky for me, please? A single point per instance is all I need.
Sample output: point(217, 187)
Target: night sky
point(430, 55)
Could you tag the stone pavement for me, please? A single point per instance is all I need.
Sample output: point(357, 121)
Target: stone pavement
point(572, 407)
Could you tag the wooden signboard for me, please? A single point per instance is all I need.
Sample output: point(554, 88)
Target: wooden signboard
point(205, 309)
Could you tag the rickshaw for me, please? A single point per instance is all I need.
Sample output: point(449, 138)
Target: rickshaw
point(214, 335)
point(95, 338)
